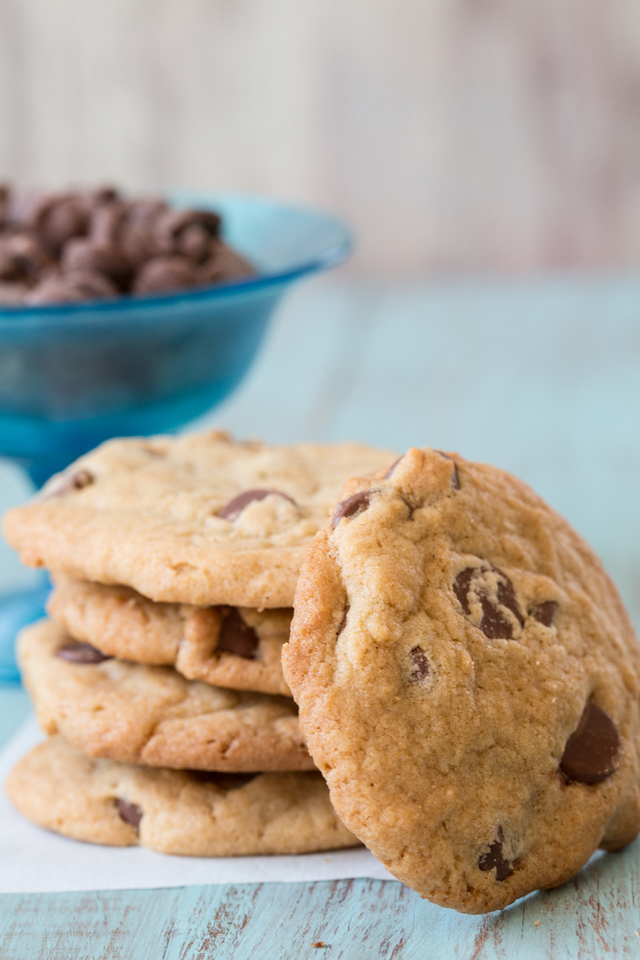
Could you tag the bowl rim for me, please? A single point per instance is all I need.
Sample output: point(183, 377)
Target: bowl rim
point(331, 256)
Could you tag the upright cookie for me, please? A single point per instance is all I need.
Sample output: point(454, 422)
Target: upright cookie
point(468, 683)
point(194, 519)
point(226, 646)
point(185, 813)
point(152, 715)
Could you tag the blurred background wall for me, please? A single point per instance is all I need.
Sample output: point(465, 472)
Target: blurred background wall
point(452, 134)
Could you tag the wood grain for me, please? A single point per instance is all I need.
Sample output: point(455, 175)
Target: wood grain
point(596, 915)
point(452, 134)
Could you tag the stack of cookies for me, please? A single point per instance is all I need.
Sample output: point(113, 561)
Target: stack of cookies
point(158, 677)
point(467, 678)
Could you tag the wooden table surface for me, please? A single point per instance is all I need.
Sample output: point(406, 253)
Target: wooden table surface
point(538, 377)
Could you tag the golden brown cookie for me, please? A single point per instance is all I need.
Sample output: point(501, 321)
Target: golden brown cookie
point(153, 715)
point(468, 682)
point(186, 813)
point(226, 646)
point(196, 519)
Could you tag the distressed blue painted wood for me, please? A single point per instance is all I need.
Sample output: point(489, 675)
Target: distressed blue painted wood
point(541, 378)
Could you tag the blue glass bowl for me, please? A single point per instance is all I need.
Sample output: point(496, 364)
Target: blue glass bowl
point(72, 375)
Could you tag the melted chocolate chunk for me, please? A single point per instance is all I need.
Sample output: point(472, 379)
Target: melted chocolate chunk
point(236, 636)
point(545, 612)
point(455, 479)
point(392, 468)
point(461, 588)
point(235, 507)
point(75, 481)
point(80, 479)
point(130, 812)
point(81, 653)
point(494, 624)
point(594, 750)
point(494, 859)
point(420, 668)
point(352, 506)
point(226, 781)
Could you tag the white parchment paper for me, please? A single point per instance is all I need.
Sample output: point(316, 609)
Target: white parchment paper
point(32, 860)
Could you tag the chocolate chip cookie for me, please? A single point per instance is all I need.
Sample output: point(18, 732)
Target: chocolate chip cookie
point(153, 715)
point(226, 646)
point(187, 813)
point(196, 519)
point(468, 682)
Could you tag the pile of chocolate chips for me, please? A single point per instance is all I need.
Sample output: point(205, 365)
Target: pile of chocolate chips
point(85, 245)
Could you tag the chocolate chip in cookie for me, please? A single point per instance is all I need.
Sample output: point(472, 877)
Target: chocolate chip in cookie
point(455, 477)
point(593, 751)
point(352, 506)
point(234, 508)
point(420, 668)
point(236, 636)
point(68, 482)
point(81, 653)
point(130, 812)
point(494, 591)
point(226, 781)
point(494, 859)
point(545, 612)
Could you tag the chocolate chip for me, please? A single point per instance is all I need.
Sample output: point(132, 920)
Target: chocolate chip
point(91, 285)
point(226, 781)
point(80, 479)
point(194, 242)
point(545, 612)
point(9, 269)
point(235, 507)
point(224, 264)
point(461, 588)
point(164, 273)
point(96, 257)
point(72, 287)
point(138, 243)
point(351, 507)
point(106, 221)
point(455, 479)
point(22, 256)
point(420, 668)
point(130, 812)
point(594, 750)
point(173, 224)
point(68, 482)
point(236, 636)
point(392, 468)
point(81, 653)
point(494, 859)
point(57, 219)
point(494, 624)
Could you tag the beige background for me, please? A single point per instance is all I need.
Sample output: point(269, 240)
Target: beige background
point(451, 133)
